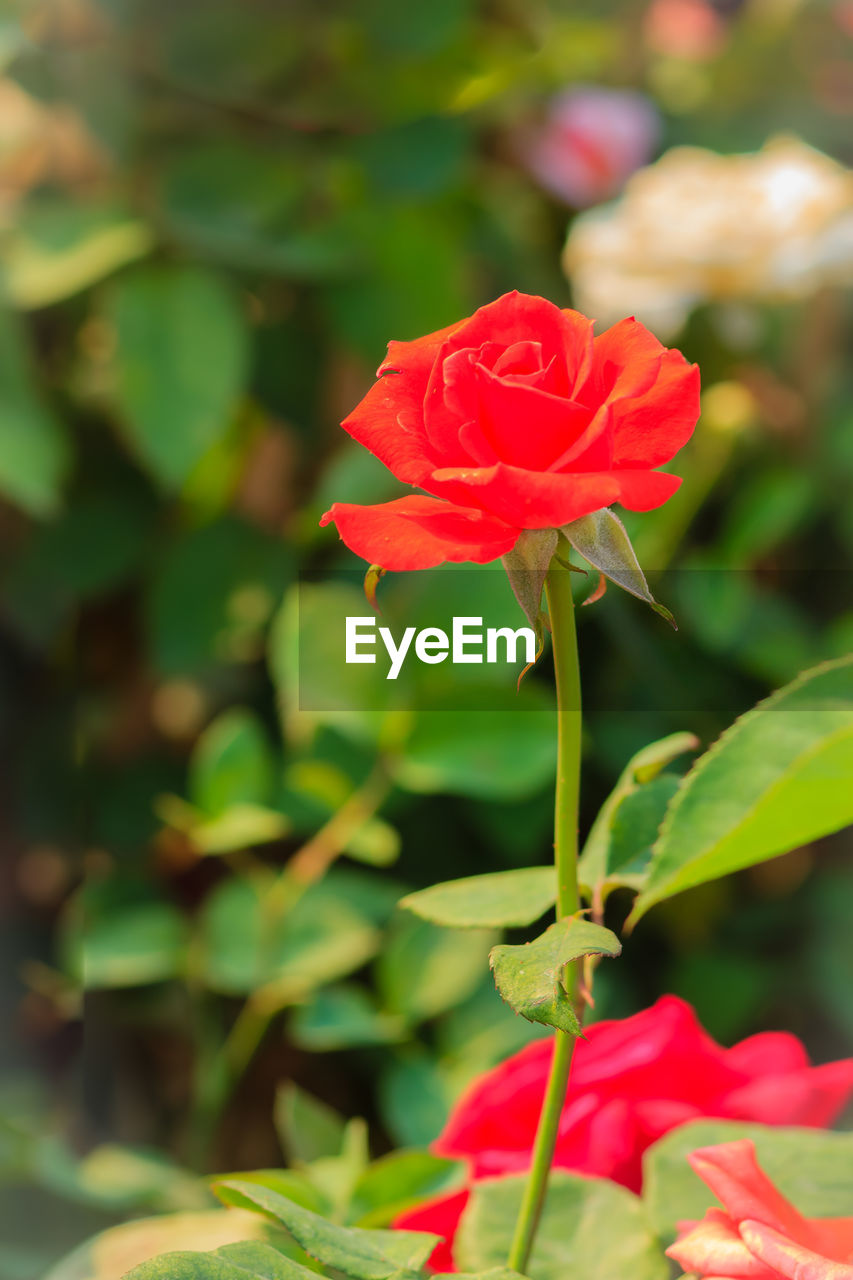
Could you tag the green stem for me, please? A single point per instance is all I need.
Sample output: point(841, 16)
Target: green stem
point(558, 588)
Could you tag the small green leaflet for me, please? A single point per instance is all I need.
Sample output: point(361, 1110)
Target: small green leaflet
point(531, 977)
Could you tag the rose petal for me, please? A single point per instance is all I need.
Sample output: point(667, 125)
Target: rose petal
point(419, 533)
point(733, 1174)
point(564, 337)
point(812, 1096)
point(653, 393)
point(500, 1110)
point(789, 1258)
point(526, 426)
point(774, 1051)
point(547, 499)
point(713, 1246)
point(389, 420)
point(835, 1237)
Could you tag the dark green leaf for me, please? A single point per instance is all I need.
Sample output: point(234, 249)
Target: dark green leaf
point(34, 452)
point(231, 764)
point(501, 899)
point(181, 364)
point(213, 595)
point(530, 977)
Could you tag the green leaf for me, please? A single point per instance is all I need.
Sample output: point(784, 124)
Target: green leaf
point(231, 763)
point(239, 204)
point(118, 933)
point(530, 977)
point(212, 596)
point(616, 848)
point(34, 452)
point(526, 566)
point(602, 540)
point(501, 899)
point(59, 249)
point(424, 970)
point(777, 779)
point(248, 1258)
point(240, 827)
point(307, 1128)
point(590, 1227)
point(322, 937)
point(131, 1245)
point(492, 1273)
point(811, 1167)
point(364, 1255)
point(181, 364)
point(343, 1017)
point(416, 1092)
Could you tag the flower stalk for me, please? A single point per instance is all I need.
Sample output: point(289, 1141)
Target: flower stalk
point(561, 609)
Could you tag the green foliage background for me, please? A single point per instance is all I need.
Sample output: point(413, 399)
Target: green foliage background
point(199, 279)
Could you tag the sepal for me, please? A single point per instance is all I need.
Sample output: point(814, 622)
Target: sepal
point(602, 540)
point(526, 566)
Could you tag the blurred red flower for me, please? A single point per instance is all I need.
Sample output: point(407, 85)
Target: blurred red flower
point(591, 140)
point(758, 1233)
point(632, 1081)
point(516, 418)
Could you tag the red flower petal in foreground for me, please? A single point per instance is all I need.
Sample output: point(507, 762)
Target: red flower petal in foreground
point(632, 1081)
point(520, 414)
point(758, 1234)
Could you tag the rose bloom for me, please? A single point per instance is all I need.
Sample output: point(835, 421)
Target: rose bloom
point(632, 1081)
point(516, 418)
point(591, 140)
point(758, 1234)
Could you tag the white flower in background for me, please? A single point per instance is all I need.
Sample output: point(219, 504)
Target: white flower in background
point(697, 226)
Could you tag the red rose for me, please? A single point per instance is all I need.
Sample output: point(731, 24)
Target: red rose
point(517, 418)
point(758, 1233)
point(632, 1081)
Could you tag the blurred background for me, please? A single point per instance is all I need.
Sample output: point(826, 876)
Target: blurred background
point(213, 216)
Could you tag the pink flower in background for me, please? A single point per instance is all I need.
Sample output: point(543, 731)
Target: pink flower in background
point(592, 140)
point(632, 1081)
point(758, 1233)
